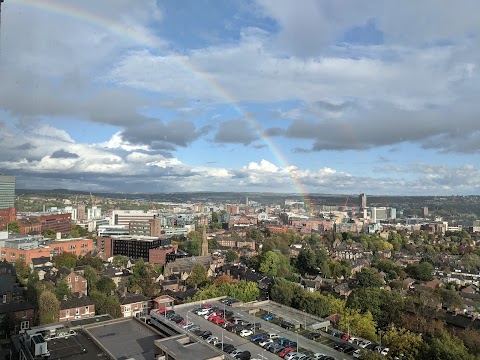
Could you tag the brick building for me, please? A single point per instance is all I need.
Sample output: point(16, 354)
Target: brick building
point(76, 282)
point(152, 227)
point(76, 308)
point(60, 223)
point(133, 305)
point(6, 216)
point(159, 255)
point(29, 225)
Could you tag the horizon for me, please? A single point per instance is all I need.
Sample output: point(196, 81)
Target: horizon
point(255, 96)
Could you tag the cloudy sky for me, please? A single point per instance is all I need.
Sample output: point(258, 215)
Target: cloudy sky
point(241, 95)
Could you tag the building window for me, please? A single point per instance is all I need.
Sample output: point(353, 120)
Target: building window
point(24, 314)
point(77, 311)
point(69, 279)
point(127, 308)
point(24, 325)
point(136, 306)
point(87, 310)
point(76, 278)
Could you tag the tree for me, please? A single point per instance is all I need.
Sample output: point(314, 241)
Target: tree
point(447, 347)
point(198, 276)
point(106, 285)
point(270, 263)
point(224, 279)
point(22, 270)
point(231, 256)
point(7, 324)
point(120, 261)
point(368, 278)
point(112, 307)
point(422, 271)
point(247, 291)
point(306, 261)
point(49, 233)
point(65, 260)
point(283, 291)
point(403, 343)
point(62, 290)
point(93, 261)
point(13, 227)
point(48, 307)
point(90, 274)
point(358, 324)
point(142, 278)
point(471, 340)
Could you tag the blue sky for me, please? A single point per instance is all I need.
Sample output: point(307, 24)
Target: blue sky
point(261, 95)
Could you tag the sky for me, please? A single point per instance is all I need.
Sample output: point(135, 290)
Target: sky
point(317, 96)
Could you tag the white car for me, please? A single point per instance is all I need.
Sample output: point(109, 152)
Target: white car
point(273, 336)
point(202, 312)
point(188, 325)
point(291, 355)
point(212, 340)
point(385, 351)
point(246, 332)
point(365, 343)
point(317, 356)
point(236, 352)
point(356, 354)
point(265, 342)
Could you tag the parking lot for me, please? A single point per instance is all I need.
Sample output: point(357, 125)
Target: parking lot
point(323, 345)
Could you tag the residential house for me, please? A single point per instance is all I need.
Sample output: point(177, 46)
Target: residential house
point(76, 308)
point(13, 303)
point(76, 282)
point(133, 305)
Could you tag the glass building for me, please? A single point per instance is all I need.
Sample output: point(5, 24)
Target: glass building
point(7, 192)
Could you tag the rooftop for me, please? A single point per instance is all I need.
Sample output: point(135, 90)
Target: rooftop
point(181, 347)
point(125, 338)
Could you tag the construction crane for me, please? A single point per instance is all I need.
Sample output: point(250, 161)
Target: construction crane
point(346, 203)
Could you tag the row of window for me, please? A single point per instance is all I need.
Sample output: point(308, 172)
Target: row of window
point(77, 311)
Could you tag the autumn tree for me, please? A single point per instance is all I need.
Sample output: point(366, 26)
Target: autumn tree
point(224, 279)
point(358, 324)
point(48, 307)
point(403, 343)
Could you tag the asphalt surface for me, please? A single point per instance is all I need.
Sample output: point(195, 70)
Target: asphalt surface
point(244, 343)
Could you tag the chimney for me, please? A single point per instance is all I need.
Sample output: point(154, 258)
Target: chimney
point(65, 298)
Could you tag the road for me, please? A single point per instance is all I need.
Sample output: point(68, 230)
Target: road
point(244, 343)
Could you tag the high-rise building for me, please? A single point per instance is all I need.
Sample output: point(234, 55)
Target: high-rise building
point(363, 201)
point(7, 192)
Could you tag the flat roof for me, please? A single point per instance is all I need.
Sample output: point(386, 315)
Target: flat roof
point(78, 347)
point(126, 338)
point(188, 351)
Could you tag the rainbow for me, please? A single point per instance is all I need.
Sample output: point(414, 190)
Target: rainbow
point(143, 39)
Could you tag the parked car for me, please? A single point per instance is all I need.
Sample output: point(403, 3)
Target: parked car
point(265, 342)
point(224, 347)
point(356, 354)
point(291, 344)
point(245, 333)
point(273, 336)
point(244, 355)
point(254, 326)
point(268, 317)
point(205, 334)
point(313, 335)
point(286, 325)
point(364, 343)
point(318, 356)
point(202, 312)
point(276, 348)
point(257, 337)
point(207, 306)
point(285, 351)
point(193, 328)
point(291, 355)
point(218, 320)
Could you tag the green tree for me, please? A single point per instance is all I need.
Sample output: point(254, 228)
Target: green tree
point(90, 274)
point(270, 263)
point(65, 260)
point(62, 290)
point(22, 270)
point(49, 233)
point(120, 261)
point(198, 276)
point(306, 261)
point(142, 278)
point(403, 343)
point(106, 285)
point(7, 324)
point(93, 261)
point(283, 291)
point(367, 277)
point(447, 347)
point(112, 307)
point(231, 256)
point(247, 290)
point(13, 227)
point(48, 308)
point(358, 324)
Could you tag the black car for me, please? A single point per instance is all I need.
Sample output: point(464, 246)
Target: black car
point(254, 326)
point(176, 319)
point(245, 355)
point(313, 335)
point(290, 344)
point(225, 347)
point(169, 314)
point(286, 325)
point(230, 350)
point(205, 334)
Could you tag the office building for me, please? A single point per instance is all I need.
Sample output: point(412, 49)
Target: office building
point(383, 213)
point(135, 247)
point(152, 227)
point(363, 201)
point(7, 192)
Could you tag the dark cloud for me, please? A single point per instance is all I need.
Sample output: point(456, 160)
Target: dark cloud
point(26, 146)
point(235, 132)
point(63, 154)
point(164, 136)
point(331, 107)
point(275, 131)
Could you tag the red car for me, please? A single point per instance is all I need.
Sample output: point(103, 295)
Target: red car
point(346, 337)
point(207, 306)
point(212, 316)
point(218, 320)
point(285, 351)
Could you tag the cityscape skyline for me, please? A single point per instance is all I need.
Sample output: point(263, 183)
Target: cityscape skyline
point(256, 96)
